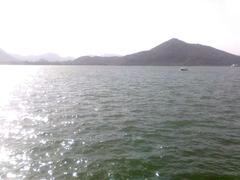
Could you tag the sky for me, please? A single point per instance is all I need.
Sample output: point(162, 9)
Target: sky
point(104, 27)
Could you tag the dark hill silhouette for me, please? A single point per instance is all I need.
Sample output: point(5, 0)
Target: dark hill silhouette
point(96, 60)
point(173, 52)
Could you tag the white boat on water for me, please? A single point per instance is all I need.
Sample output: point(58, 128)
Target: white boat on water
point(235, 65)
point(183, 69)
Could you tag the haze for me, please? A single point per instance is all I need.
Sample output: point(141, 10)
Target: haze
point(93, 27)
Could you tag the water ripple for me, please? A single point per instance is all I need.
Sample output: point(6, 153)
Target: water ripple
point(71, 122)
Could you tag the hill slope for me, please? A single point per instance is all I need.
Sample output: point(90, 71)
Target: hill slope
point(5, 58)
point(173, 52)
point(49, 57)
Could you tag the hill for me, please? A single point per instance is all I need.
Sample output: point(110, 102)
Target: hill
point(5, 58)
point(173, 52)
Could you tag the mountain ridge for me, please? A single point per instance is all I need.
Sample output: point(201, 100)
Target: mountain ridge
point(6, 58)
point(50, 57)
point(173, 52)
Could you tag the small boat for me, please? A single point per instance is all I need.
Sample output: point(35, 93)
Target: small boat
point(183, 69)
point(235, 65)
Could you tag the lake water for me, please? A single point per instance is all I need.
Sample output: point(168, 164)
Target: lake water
point(104, 122)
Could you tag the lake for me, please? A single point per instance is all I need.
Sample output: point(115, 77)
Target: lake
point(119, 122)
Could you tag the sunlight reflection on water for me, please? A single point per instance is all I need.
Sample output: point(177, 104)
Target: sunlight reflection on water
point(69, 122)
point(14, 81)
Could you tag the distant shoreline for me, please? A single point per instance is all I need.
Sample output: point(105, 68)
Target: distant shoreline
point(173, 52)
point(72, 64)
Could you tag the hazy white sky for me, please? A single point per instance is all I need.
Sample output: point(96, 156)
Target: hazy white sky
point(96, 27)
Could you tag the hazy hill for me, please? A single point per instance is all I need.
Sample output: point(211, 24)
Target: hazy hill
point(50, 57)
point(173, 52)
point(5, 58)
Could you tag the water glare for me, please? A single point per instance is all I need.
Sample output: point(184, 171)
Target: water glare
point(81, 122)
